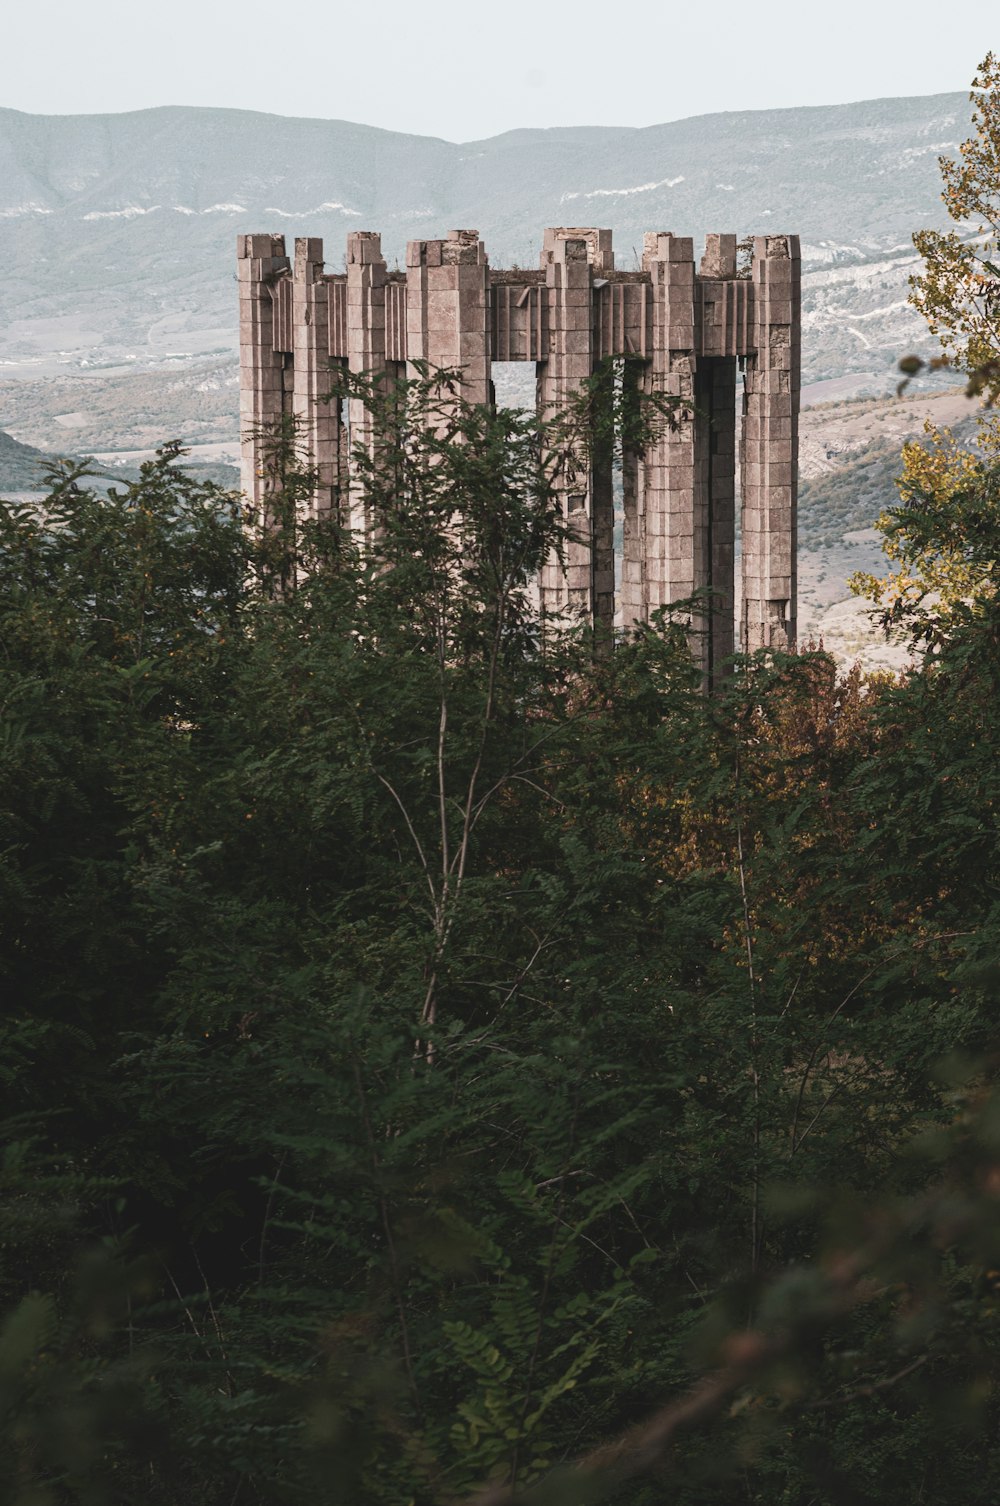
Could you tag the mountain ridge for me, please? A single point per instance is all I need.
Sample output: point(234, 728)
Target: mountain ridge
point(117, 230)
point(338, 120)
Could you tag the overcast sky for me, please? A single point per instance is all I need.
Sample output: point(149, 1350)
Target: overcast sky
point(464, 70)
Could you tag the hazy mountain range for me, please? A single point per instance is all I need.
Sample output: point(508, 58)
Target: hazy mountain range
point(117, 232)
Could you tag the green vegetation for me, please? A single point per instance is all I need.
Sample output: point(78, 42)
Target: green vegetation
point(957, 289)
point(937, 537)
point(426, 1045)
point(25, 469)
point(22, 468)
point(848, 497)
point(196, 402)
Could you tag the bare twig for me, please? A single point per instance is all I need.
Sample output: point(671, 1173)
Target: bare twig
point(411, 829)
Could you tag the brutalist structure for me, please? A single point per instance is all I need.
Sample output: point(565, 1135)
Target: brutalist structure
point(677, 329)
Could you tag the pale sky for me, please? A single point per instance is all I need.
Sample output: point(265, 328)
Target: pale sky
point(465, 70)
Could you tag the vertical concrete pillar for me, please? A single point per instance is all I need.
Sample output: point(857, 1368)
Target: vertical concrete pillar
point(582, 587)
point(675, 467)
point(715, 401)
point(602, 500)
point(261, 260)
point(366, 279)
point(719, 258)
point(322, 432)
point(448, 309)
point(715, 440)
point(769, 449)
point(632, 592)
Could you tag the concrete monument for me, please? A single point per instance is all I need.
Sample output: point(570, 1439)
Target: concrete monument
point(679, 330)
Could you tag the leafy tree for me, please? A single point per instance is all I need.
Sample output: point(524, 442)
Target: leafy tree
point(452, 1036)
point(958, 290)
point(940, 538)
point(935, 538)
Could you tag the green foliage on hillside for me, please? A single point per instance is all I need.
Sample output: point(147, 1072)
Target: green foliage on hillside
point(428, 1046)
point(25, 469)
point(848, 497)
point(196, 402)
point(21, 467)
point(861, 487)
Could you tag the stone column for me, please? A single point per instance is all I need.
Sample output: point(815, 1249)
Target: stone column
point(602, 501)
point(715, 442)
point(633, 600)
point(715, 400)
point(261, 260)
point(675, 468)
point(366, 278)
point(322, 433)
point(769, 449)
point(582, 588)
point(448, 309)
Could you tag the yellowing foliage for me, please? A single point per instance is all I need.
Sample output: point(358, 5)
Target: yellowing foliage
point(927, 538)
point(935, 473)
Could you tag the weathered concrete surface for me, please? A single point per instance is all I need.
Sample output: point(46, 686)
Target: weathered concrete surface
point(680, 332)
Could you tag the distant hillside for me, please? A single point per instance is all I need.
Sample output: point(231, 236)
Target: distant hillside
point(196, 403)
point(21, 466)
point(117, 231)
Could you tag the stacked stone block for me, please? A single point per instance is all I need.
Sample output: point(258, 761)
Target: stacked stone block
point(448, 309)
point(321, 427)
point(769, 455)
point(715, 421)
point(632, 590)
point(261, 262)
point(672, 476)
point(719, 331)
point(581, 585)
point(366, 282)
